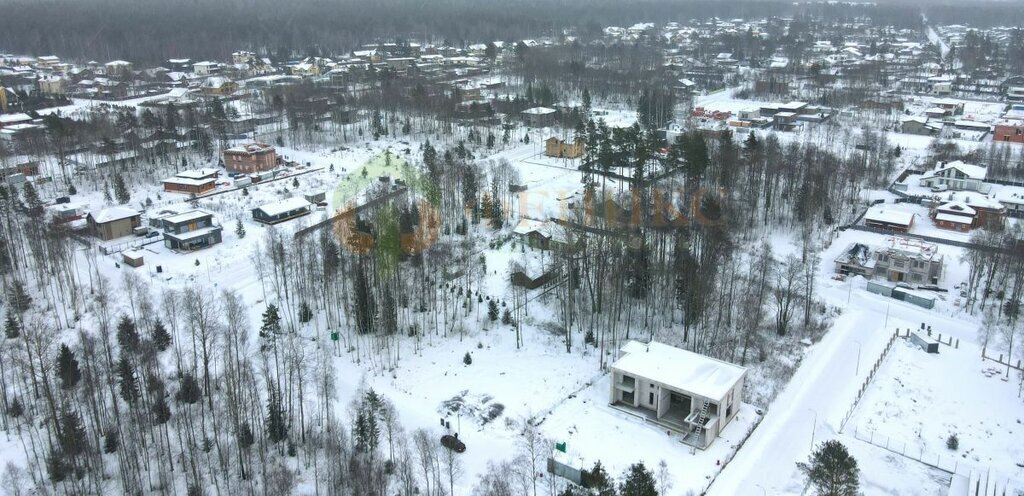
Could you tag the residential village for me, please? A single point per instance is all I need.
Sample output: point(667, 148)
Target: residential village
point(690, 254)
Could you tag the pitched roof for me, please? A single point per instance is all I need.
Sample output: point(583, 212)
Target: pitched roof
point(113, 214)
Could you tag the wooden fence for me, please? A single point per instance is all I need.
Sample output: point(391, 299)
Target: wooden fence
point(870, 377)
point(1000, 361)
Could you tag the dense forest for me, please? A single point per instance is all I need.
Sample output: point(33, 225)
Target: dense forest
point(150, 31)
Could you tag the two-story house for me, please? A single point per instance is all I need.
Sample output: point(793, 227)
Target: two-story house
point(956, 175)
point(909, 260)
point(190, 230)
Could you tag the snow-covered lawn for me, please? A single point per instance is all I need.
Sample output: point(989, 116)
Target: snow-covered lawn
point(590, 427)
point(917, 400)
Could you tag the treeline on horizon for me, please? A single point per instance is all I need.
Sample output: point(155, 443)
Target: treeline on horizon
point(151, 31)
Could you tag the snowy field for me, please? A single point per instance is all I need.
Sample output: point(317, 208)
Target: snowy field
point(589, 427)
point(917, 400)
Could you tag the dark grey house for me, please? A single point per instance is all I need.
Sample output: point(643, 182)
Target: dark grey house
point(190, 231)
point(281, 211)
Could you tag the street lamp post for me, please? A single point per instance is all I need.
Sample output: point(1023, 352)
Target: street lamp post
point(814, 427)
point(858, 357)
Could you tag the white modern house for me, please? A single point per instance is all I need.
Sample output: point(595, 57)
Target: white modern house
point(956, 175)
point(685, 392)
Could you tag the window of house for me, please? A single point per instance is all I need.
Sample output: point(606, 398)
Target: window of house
point(728, 411)
point(650, 398)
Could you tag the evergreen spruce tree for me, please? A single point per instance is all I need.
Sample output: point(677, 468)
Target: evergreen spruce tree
point(15, 408)
point(245, 436)
point(506, 317)
point(121, 190)
point(188, 389)
point(492, 310)
point(32, 201)
point(72, 190)
point(598, 480)
point(161, 338)
point(18, 296)
point(128, 381)
point(239, 229)
point(12, 328)
point(72, 438)
point(832, 471)
point(68, 371)
point(305, 313)
point(161, 412)
point(110, 442)
point(56, 470)
point(127, 334)
point(271, 328)
point(277, 429)
point(467, 359)
point(638, 482)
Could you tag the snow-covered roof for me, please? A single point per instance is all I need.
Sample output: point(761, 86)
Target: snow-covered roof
point(198, 173)
point(188, 181)
point(679, 369)
point(285, 206)
point(132, 254)
point(964, 123)
point(113, 214)
point(970, 170)
point(539, 111)
point(250, 148)
point(960, 219)
point(879, 213)
point(190, 216)
point(958, 207)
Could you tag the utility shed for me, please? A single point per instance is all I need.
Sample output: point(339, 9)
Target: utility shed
point(924, 342)
point(132, 258)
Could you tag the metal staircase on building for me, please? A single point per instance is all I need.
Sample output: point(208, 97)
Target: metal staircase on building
point(700, 426)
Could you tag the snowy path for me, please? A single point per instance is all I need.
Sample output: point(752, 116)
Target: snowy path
point(818, 395)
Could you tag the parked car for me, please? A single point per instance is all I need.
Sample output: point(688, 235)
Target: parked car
point(453, 443)
point(153, 234)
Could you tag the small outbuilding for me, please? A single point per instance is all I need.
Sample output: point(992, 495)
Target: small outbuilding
point(281, 211)
point(132, 258)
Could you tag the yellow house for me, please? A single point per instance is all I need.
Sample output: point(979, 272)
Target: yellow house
point(219, 86)
point(554, 147)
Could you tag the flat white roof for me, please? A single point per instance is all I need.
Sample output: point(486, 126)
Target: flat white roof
point(197, 173)
point(189, 181)
point(186, 216)
point(285, 206)
point(879, 213)
point(679, 369)
point(539, 111)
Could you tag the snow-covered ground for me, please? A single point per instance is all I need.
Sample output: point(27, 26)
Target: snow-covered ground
point(918, 400)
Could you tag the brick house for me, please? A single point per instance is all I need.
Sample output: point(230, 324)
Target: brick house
point(1009, 130)
point(250, 158)
point(554, 147)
